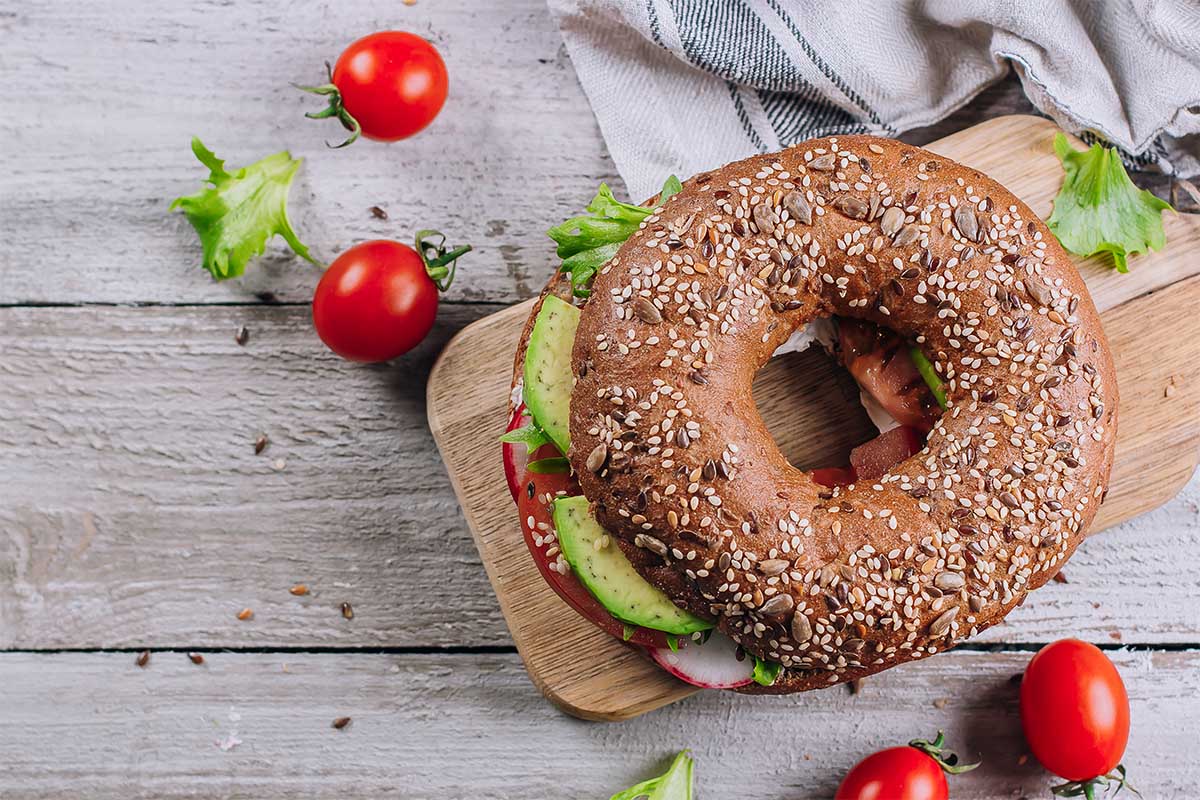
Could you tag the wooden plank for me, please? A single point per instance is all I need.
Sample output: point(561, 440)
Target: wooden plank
point(86, 176)
point(1157, 448)
point(471, 726)
point(134, 513)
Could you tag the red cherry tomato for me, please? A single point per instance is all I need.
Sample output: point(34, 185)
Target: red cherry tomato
point(898, 773)
point(1074, 710)
point(388, 86)
point(375, 302)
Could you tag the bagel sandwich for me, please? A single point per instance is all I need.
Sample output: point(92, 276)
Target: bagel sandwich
point(656, 503)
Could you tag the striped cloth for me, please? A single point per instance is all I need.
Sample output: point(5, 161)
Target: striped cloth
point(679, 86)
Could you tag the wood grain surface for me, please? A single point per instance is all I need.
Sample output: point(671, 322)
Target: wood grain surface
point(1157, 447)
point(471, 726)
point(133, 513)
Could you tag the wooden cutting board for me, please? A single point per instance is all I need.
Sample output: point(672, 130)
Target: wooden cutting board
point(1151, 315)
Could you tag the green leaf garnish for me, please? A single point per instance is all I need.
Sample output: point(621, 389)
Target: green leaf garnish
point(673, 642)
point(674, 784)
point(932, 380)
point(1099, 209)
point(627, 631)
point(241, 210)
point(765, 672)
point(587, 242)
point(546, 466)
point(529, 435)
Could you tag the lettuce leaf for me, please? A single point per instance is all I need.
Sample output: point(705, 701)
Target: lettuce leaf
point(587, 242)
point(1099, 209)
point(239, 211)
point(765, 672)
point(674, 784)
point(529, 435)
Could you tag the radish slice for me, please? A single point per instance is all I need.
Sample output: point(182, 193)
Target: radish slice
point(712, 665)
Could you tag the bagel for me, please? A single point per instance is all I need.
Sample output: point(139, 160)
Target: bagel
point(679, 468)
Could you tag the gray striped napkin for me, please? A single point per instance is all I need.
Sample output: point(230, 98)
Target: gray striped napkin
point(680, 86)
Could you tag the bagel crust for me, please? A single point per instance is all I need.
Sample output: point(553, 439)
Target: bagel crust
point(839, 584)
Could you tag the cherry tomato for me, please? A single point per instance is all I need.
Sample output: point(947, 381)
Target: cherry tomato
point(388, 85)
point(533, 489)
point(916, 772)
point(898, 773)
point(375, 302)
point(1074, 710)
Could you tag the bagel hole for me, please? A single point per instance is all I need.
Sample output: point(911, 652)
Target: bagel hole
point(811, 407)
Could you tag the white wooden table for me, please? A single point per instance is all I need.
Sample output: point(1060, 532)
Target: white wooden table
point(135, 516)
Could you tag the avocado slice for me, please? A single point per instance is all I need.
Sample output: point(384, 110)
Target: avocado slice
point(548, 378)
point(609, 576)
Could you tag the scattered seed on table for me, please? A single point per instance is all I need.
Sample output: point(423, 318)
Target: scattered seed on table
point(242, 336)
point(143, 658)
point(341, 722)
point(299, 590)
point(279, 464)
point(347, 611)
point(245, 614)
point(1060, 577)
point(940, 702)
point(261, 443)
point(196, 658)
point(855, 686)
point(266, 297)
point(378, 212)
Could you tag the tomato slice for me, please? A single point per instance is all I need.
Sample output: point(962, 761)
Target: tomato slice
point(515, 457)
point(534, 493)
point(873, 459)
point(879, 360)
point(834, 476)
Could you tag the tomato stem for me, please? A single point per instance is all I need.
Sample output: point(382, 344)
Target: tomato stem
point(946, 759)
point(1087, 789)
point(440, 263)
point(336, 108)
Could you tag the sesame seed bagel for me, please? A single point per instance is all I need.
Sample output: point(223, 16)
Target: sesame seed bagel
point(681, 470)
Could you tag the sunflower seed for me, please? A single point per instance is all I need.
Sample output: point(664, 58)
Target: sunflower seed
point(764, 218)
point(801, 628)
point(853, 207)
point(941, 625)
point(1038, 292)
point(823, 163)
point(651, 544)
point(892, 220)
point(777, 606)
point(646, 311)
point(773, 566)
point(967, 223)
point(949, 581)
point(906, 236)
point(596, 458)
point(798, 207)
